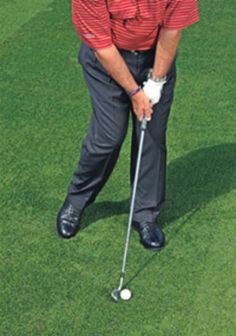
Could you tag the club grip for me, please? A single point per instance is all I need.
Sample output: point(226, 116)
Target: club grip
point(144, 124)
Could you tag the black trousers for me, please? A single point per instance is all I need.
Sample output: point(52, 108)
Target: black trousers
point(111, 108)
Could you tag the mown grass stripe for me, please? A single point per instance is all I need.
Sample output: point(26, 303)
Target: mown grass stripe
point(14, 14)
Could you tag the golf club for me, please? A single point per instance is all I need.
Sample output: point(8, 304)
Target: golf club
point(119, 293)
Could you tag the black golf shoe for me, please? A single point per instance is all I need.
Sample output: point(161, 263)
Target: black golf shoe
point(151, 237)
point(68, 220)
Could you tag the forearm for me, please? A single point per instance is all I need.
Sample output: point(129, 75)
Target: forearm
point(167, 45)
point(115, 65)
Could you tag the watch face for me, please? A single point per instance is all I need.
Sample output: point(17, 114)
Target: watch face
point(158, 79)
point(149, 73)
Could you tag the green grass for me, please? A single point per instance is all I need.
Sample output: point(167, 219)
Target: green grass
point(13, 14)
point(55, 287)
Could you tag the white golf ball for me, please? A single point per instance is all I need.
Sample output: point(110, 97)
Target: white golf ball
point(125, 294)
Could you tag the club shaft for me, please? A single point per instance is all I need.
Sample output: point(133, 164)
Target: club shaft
point(143, 128)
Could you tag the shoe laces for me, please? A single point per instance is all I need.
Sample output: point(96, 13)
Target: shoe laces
point(72, 212)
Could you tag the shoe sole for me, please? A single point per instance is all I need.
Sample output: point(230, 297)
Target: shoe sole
point(65, 237)
point(156, 249)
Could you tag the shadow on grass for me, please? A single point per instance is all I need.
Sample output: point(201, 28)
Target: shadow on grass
point(192, 181)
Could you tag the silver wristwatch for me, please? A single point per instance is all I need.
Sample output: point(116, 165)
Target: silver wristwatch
point(156, 79)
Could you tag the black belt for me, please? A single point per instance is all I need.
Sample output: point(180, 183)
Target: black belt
point(137, 52)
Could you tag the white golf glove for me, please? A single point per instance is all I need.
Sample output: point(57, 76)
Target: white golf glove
point(153, 90)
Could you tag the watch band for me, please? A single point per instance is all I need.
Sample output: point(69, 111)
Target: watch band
point(156, 79)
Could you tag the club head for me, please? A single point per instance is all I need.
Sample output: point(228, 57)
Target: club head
point(115, 294)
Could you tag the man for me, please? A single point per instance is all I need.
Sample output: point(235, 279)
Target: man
point(128, 56)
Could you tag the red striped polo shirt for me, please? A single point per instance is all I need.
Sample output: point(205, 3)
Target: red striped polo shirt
point(129, 24)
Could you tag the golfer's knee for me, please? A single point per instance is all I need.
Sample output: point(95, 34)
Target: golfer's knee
point(104, 143)
point(115, 140)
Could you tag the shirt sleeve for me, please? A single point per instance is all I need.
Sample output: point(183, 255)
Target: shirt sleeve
point(180, 14)
point(92, 22)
